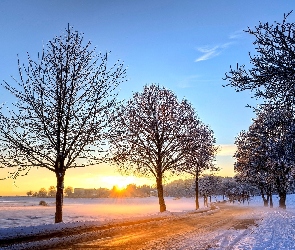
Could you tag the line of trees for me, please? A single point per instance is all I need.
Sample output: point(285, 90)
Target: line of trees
point(51, 192)
point(230, 188)
point(66, 113)
point(265, 154)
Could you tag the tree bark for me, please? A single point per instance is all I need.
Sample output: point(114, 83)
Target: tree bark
point(265, 201)
point(59, 196)
point(197, 192)
point(282, 193)
point(161, 194)
point(282, 201)
point(270, 201)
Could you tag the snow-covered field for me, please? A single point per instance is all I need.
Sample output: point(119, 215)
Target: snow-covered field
point(26, 211)
point(23, 215)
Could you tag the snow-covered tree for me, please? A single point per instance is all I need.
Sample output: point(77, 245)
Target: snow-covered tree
point(147, 135)
point(180, 188)
point(200, 151)
point(265, 153)
point(251, 162)
point(272, 76)
point(60, 118)
point(207, 187)
point(272, 79)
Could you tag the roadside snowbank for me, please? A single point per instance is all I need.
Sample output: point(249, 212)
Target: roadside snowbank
point(276, 231)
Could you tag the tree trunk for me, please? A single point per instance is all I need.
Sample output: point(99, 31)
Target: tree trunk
point(205, 201)
point(197, 192)
point(282, 201)
point(270, 201)
point(59, 196)
point(265, 201)
point(161, 194)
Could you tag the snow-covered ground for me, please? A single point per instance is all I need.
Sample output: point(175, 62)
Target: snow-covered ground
point(26, 211)
point(276, 230)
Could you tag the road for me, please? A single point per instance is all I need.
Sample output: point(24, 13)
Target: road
point(189, 231)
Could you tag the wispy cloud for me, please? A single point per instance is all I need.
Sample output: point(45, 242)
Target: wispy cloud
point(237, 34)
point(210, 52)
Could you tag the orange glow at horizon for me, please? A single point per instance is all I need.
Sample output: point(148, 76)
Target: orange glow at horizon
point(103, 175)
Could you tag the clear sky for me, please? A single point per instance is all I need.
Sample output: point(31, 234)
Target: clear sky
point(186, 46)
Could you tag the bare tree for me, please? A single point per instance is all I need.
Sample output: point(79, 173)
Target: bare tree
point(272, 78)
point(60, 118)
point(148, 133)
point(272, 75)
point(208, 185)
point(252, 165)
point(199, 150)
point(30, 193)
point(265, 153)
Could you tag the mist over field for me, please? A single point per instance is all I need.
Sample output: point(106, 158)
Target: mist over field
point(257, 227)
point(26, 211)
point(23, 211)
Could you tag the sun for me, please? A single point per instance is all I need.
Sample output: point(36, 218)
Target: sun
point(120, 182)
point(120, 186)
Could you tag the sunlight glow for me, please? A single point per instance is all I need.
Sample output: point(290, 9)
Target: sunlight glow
point(120, 181)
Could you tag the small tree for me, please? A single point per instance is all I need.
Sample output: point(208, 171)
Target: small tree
point(207, 187)
point(52, 191)
point(147, 135)
point(69, 191)
point(60, 119)
point(30, 193)
point(199, 150)
point(42, 192)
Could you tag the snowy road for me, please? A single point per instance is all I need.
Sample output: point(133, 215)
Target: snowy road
point(189, 231)
point(229, 227)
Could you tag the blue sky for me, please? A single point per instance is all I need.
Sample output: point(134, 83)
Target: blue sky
point(186, 46)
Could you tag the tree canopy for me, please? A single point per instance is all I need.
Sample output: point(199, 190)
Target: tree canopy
point(60, 118)
point(148, 135)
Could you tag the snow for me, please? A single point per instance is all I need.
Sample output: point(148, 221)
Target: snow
point(25, 211)
point(275, 231)
point(32, 219)
point(275, 228)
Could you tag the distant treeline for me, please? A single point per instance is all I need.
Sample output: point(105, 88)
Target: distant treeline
point(209, 185)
